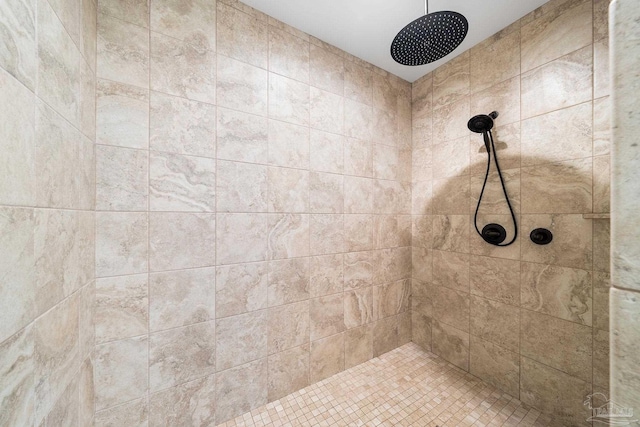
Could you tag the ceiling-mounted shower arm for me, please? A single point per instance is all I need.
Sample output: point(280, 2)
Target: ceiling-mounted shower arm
point(426, 7)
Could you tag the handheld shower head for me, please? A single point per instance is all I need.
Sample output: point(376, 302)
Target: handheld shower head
point(482, 123)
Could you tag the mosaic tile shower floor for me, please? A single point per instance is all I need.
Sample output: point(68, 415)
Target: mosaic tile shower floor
point(405, 387)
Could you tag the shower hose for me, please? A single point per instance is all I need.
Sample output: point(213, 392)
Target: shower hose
point(488, 140)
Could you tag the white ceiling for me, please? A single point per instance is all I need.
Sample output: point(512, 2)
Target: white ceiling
point(366, 28)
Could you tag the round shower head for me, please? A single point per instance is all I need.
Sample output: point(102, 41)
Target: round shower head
point(429, 38)
point(482, 123)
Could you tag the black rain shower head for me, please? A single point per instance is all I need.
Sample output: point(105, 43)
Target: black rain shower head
point(482, 123)
point(429, 38)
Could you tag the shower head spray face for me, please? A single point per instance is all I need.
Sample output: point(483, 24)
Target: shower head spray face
point(482, 123)
point(429, 38)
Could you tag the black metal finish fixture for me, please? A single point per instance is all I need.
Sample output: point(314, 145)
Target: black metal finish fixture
point(493, 234)
point(541, 236)
point(429, 38)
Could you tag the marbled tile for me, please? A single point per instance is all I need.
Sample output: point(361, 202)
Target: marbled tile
point(385, 162)
point(181, 183)
point(358, 232)
point(86, 326)
point(358, 120)
point(121, 371)
point(326, 357)
point(242, 137)
point(451, 307)
point(451, 195)
point(561, 83)
point(451, 269)
point(288, 372)
point(451, 81)
point(241, 86)
point(182, 126)
point(240, 389)
point(180, 355)
point(288, 100)
point(241, 238)
point(508, 145)
point(288, 326)
point(288, 281)
point(545, 339)
point(326, 275)
point(17, 164)
point(326, 111)
point(602, 245)
point(326, 193)
point(421, 231)
point(478, 246)
point(385, 335)
point(450, 121)
point(326, 70)
point(65, 410)
point(241, 339)
point(451, 233)
point(86, 392)
point(326, 316)
point(358, 345)
point(602, 184)
point(504, 51)
point(240, 288)
point(63, 249)
point(358, 307)
point(391, 299)
point(421, 193)
point(326, 234)
point(554, 392)
point(186, 404)
point(358, 194)
point(288, 55)
point(193, 22)
point(422, 264)
point(122, 115)
point(242, 36)
point(601, 358)
point(19, 292)
point(134, 413)
point(18, 55)
point(386, 233)
point(358, 157)
point(451, 344)
point(405, 331)
point(493, 199)
point(421, 330)
point(326, 152)
point(17, 379)
point(121, 243)
point(558, 291)
point(241, 187)
point(503, 97)
point(392, 264)
point(288, 236)
point(181, 240)
point(391, 197)
point(358, 83)
point(182, 69)
point(123, 52)
point(495, 279)
point(421, 164)
point(560, 135)
point(601, 287)
point(288, 190)
point(571, 245)
point(385, 96)
point(601, 68)
point(451, 158)
point(122, 307)
point(122, 179)
point(288, 145)
point(89, 34)
point(564, 187)
point(181, 298)
point(600, 19)
point(556, 34)
point(134, 11)
point(495, 322)
point(57, 145)
point(495, 365)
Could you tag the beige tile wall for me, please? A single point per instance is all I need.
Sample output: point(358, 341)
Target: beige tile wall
point(47, 219)
point(253, 211)
point(532, 320)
